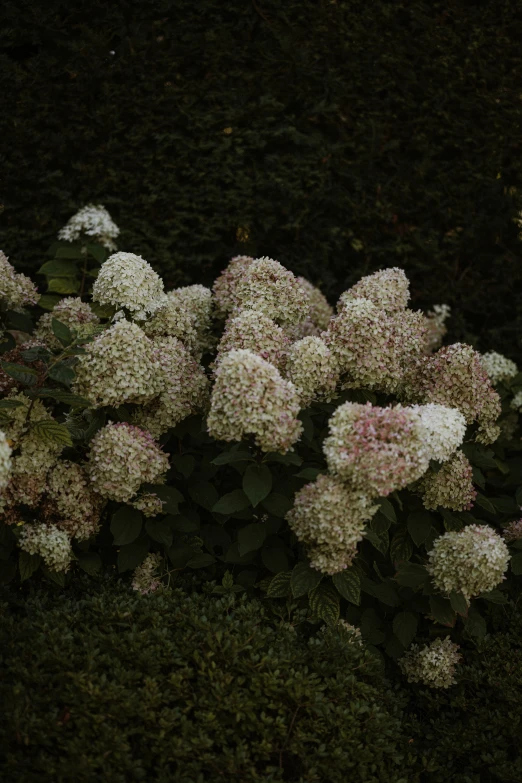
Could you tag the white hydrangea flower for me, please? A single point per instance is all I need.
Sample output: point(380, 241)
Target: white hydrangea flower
point(70, 311)
point(432, 665)
point(436, 323)
point(71, 503)
point(349, 634)
point(184, 388)
point(388, 290)
point(256, 332)
point(377, 450)
point(268, 287)
point(145, 578)
point(127, 280)
point(451, 487)
point(320, 311)
point(329, 519)
point(516, 402)
point(513, 531)
point(5, 461)
point(498, 367)
point(313, 370)
point(187, 315)
point(250, 397)
point(122, 457)
point(149, 504)
point(224, 288)
point(119, 366)
point(91, 221)
point(471, 561)
point(48, 541)
point(16, 290)
point(443, 429)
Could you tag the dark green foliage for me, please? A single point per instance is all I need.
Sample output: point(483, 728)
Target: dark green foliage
point(472, 733)
point(103, 684)
point(361, 135)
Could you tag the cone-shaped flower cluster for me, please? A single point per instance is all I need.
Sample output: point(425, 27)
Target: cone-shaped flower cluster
point(70, 311)
point(52, 544)
point(269, 288)
point(127, 281)
point(146, 579)
point(94, 222)
point(498, 367)
point(255, 332)
point(224, 289)
point(451, 487)
point(388, 290)
point(186, 315)
point(16, 290)
point(432, 665)
point(71, 504)
point(312, 369)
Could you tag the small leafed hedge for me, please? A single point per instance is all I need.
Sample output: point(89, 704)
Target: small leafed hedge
point(116, 686)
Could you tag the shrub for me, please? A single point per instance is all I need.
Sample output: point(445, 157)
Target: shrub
point(146, 433)
point(175, 687)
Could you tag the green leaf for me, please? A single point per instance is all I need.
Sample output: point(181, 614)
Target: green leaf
point(348, 585)
point(180, 554)
point(419, 525)
point(442, 611)
point(405, 627)
point(37, 352)
point(279, 587)
point(459, 603)
point(516, 564)
point(310, 474)
point(183, 523)
point(308, 425)
point(62, 332)
point(386, 594)
point(26, 375)
point(401, 547)
point(67, 398)
point(257, 483)
point(251, 537)
point(69, 251)
point(324, 602)
point(518, 497)
point(231, 456)
point(7, 342)
point(58, 577)
point(28, 564)
point(379, 540)
point(160, 530)
point(411, 574)
point(11, 404)
point(303, 579)
point(379, 524)
point(63, 285)
point(231, 502)
point(98, 252)
point(57, 268)
point(48, 302)
point(126, 525)
point(451, 522)
point(277, 505)
point(273, 555)
point(484, 503)
point(184, 463)
point(90, 562)
point(132, 555)
point(201, 560)
point(21, 322)
point(505, 505)
point(290, 458)
point(475, 624)
point(478, 477)
point(62, 373)
point(495, 596)
point(386, 508)
point(203, 493)
point(50, 431)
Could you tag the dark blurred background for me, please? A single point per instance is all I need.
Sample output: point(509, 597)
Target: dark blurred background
point(338, 137)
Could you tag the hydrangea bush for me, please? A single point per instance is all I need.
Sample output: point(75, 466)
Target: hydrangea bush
point(344, 461)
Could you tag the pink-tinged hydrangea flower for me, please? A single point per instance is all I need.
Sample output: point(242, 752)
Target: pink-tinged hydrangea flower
point(70, 503)
point(269, 288)
point(224, 288)
point(377, 450)
point(128, 281)
point(149, 504)
point(250, 397)
point(122, 457)
point(432, 665)
point(52, 544)
point(471, 561)
point(320, 310)
point(513, 531)
point(70, 311)
point(94, 222)
point(16, 290)
point(146, 578)
point(455, 377)
point(255, 332)
point(329, 519)
point(313, 370)
point(119, 366)
point(187, 315)
point(444, 429)
point(388, 290)
point(5, 460)
point(451, 487)
point(184, 388)
point(372, 349)
point(498, 367)
point(436, 328)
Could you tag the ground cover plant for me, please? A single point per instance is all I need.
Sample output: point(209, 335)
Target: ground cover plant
point(341, 463)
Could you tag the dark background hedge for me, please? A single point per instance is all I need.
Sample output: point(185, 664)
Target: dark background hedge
point(360, 135)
